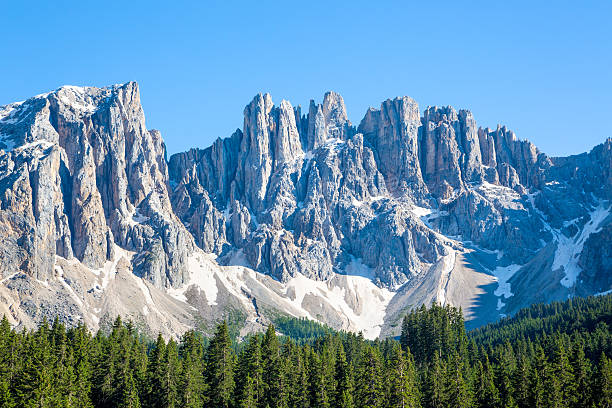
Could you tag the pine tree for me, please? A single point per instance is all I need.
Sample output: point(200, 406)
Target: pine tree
point(101, 370)
point(192, 386)
point(486, 393)
point(458, 392)
point(6, 399)
point(504, 374)
point(582, 389)
point(34, 388)
point(138, 365)
point(370, 389)
point(434, 392)
point(299, 396)
point(318, 390)
point(156, 374)
point(562, 375)
point(80, 340)
point(403, 391)
point(129, 393)
point(604, 383)
point(220, 368)
point(7, 367)
point(247, 397)
point(172, 370)
point(250, 366)
point(344, 390)
point(5, 349)
point(274, 377)
point(538, 378)
point(520, 382)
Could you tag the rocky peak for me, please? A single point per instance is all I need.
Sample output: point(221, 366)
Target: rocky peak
point(450, 150)
point(326, 121)
point(393, 132)
point(518, 163)
point(109, 185)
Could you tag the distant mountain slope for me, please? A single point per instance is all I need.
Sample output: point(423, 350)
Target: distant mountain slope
point(299, 215)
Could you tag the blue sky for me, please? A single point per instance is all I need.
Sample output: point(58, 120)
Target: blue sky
point(544, 70)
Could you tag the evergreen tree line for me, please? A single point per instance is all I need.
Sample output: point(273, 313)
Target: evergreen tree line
point(435, 363)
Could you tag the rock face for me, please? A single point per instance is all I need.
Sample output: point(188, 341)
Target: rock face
point(84, 174)
point(403, 209)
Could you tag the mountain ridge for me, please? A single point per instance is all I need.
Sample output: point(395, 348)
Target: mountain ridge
point(354, 224)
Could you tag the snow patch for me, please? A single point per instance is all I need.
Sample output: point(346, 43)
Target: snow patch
point(421, 211)
point(137, 218)
point(607, 292)
point(45, 144)
point(77, 98)
point(145, 291)
point(7, 113)
point(373, 300)
point(447, 265)
point(201, 275)
point(358, 268)
point(505, 196)
point(502, 275)
point(569, 249)
point(9, 277)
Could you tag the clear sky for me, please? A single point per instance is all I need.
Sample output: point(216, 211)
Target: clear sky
point(544, 69)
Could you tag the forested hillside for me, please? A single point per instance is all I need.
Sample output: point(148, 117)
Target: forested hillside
point(546, 356)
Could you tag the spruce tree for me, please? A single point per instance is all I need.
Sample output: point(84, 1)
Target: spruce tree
point(403, 391)
point(275, 390)
point(156, 374)
point(603, 392)
point(458, 391)
point(343, 397)
point(486, 393)
point(220, 368)
point(250, 366)
point(192, 385)
point(434, 395)
point(370, 391)
point(35, 381)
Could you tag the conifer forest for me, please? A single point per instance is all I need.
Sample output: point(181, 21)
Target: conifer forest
point(556, 355)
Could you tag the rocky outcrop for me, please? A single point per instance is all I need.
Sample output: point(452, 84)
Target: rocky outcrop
point(326, 121)
point(92, 176)
point(346, 193)
point(392, 132)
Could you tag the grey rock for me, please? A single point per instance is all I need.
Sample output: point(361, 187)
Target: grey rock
point(429, 207)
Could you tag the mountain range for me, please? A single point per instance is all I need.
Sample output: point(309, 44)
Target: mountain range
point(299, 214)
